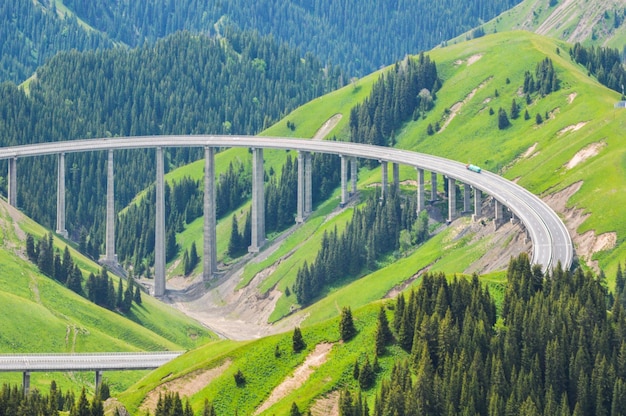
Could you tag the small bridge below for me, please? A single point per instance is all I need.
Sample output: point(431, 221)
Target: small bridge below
point(98, 362)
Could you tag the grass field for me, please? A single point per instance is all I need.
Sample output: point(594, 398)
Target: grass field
point(66, 322)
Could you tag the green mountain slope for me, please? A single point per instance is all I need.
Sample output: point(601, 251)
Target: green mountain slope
point(478, 75)
point(597, 22)
point(39, 314)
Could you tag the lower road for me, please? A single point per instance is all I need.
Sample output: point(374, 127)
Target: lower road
point(86, 361)
point(551, 241)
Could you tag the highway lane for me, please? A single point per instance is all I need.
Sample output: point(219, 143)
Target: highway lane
point(551, 241)
point(86, 362)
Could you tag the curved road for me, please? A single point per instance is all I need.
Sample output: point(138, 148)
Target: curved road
point(551, 241)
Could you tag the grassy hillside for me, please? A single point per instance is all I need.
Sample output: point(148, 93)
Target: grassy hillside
point(478, 75)
point(41, 315)
point(264, 370)
point(584, 21)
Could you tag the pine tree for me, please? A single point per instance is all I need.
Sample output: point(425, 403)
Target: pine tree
point(298, 343)
point(137, 295)
point(234, 245)
point(503, 119)
point(514, 110)
point(193, 256)
point(347, 330)
point(295, 411)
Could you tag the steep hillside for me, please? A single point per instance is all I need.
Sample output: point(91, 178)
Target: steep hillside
point(570, 158)
point(41, 315)
point(598, 22)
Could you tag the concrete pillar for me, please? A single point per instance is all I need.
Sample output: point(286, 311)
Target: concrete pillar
point(110, 257)
point(385, 180)
point(26, 382)
point(497, 210)
point(433, 184)
point(478, 204)
point(98, 381)
point(420, 190)
point(353, 173)
point(344, 181)
point(451, 199)
point(12, 182)
point(467, 198)
point(159, 227)
point(396, 176)
point(61, 196)
point(300, 202)
point(258, 201)
point(308, 184)
point(210, 238)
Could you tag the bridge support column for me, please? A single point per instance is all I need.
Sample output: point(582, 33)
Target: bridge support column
point(61, 196)
point(300, 202)
point(159, 227)
point(258, 201)
point(110, 257)
point(433, 184)
point(467, 196)
point(478, 204)
point(26, 382)
point(420, 190)
point(12, 182)
point(384, 179)
point(353, 174)
point(451, 199)
point(497, 209)
point(98, 380)
point(308, 185)
point(210, 239)
point(395, 172)
point(344, 181)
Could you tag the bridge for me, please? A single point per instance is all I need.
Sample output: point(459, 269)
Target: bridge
point(550, 238)
point(98, 362)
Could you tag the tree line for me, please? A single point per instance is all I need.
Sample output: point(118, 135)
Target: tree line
point(555, 348)
point(606, 64)
point(99, 288)
point(14, 402)
point(407, 91)
point(373, 231)
point(183, 84)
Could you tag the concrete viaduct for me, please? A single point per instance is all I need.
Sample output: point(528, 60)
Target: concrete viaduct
point(551, 241)
point(98, 362)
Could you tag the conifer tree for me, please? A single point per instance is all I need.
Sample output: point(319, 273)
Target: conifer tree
point(347, 330)
point(298, 343)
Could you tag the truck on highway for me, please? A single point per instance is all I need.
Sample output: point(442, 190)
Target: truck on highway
point(473, 168)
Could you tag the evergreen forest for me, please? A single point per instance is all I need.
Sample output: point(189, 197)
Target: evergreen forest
point(361, 37)
point(184, 84)
point(553, 349)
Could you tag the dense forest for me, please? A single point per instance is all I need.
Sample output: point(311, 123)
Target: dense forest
point(604, 63)
point(376, 229)
point(406, 92)
point(61, 267)
point(554, 349)
point(184, 84)
point(359, 36)
point(30, 35)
